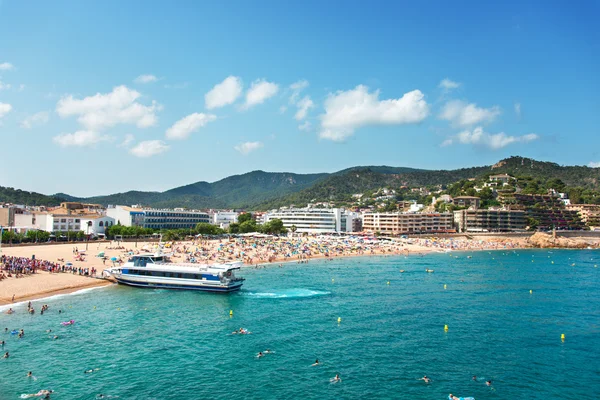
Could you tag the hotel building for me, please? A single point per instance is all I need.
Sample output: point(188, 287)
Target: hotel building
point(157, 218)
point(316, 220)
point(489, 220)
point(401, 223)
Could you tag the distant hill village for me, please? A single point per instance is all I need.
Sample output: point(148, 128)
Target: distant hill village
point(496, 205)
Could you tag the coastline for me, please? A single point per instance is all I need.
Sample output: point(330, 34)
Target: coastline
point(253, 253)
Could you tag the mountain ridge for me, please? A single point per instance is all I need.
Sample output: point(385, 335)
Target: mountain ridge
point(263, 190)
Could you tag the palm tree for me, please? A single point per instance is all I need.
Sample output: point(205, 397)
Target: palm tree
point(293, 229)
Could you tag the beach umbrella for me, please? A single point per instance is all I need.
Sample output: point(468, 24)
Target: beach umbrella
point(113, 259)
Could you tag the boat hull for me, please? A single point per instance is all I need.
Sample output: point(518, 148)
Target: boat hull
point(180, 286)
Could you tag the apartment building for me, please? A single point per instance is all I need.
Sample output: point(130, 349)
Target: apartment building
point(401, 223)
point(489, 220)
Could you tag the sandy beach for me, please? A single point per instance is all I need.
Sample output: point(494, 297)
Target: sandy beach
point(252, 251)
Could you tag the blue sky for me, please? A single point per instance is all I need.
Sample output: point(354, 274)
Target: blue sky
point(102, 97)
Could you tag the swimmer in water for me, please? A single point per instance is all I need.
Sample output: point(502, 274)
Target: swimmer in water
point(425, 379)
point(260, 354)
point(488, 383)
point(316, 363)
point(474, 377)
point(6, 355)
point(55, 337)
point(90, 371)
point(453, 397)
point(336, 379)
point(29, 374)
point(267, 351)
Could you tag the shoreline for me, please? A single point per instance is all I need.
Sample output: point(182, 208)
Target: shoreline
point(97, 283)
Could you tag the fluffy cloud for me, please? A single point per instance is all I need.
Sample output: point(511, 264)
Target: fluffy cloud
point(149, 148)
point(4, 86)
point(36, 119)
point(107, 110)
point(347, 111)
point(464, 114)
point(145, 79)
point(305, 126)
point(303, 106)
point(127, 141)
point(479, 137)
point(260, 91)
point(248, 147)
point(5, 108)
point(594, 164)
point(6, 66)
point(79, 139)
point(224, 93)
point(185, 126)
point(296, 88)
point(448, 85)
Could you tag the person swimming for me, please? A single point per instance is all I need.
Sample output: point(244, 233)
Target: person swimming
point(474, 377)
point(425, 379)
point(488, 383)
point(6, 355)
point(336, 379)
point(453, 397)
point(316, 363)
point(260, 354)
point(29, 375)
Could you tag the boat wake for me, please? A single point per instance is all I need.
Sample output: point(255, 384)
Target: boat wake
point(285, 294)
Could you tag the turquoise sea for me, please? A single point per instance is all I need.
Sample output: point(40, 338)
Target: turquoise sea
point(160, 344)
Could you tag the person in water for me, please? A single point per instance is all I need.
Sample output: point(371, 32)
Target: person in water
point(316, 363)
point(425, 379)
point(336, 378)
point(488, 383)
point(453, 397)
point(29, 375)
point(6, 355)
point(474, 377)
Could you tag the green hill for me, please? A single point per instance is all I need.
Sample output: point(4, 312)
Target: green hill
point(261, 190)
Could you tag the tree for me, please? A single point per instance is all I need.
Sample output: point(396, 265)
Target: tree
point(274, 226)
point(234, 228)
point(248, 226)
point(244, 217)
point(532, 223)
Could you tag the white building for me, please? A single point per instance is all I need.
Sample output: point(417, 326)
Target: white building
point(157, 218)
point(315, 220)
point(224, 218)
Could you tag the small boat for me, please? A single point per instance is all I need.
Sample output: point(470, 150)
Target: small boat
point(154, 270)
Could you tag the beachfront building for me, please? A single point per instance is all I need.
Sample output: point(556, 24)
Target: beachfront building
point(315, 220)
point(489, 220)
point(147, 217)
point(589, 213)
point(467, 201)
point(398, 223)
point(7, 215)
point(503, 179)
point(224, 218)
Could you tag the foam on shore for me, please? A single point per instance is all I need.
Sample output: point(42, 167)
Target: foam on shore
point(51, 297)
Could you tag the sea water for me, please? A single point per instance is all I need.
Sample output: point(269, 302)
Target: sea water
point(162, 344)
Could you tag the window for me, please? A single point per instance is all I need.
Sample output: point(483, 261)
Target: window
point(77, 221)
point(101, 223)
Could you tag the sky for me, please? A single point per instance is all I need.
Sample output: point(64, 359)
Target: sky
point(105, 97)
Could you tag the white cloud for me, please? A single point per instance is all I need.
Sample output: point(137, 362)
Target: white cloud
point(149, 148)
point(5, 108)
point(305, 126)
point(594, 164)
point(303, 106)
point(224, 93)
point(448, 84)
point(79, 139)
point(37, 119)
point(107, 110)
point(464, 114)
point(145, 79)
point(479, 137)
point(248, 147)
point(518, 109)
point(296, 88)
point(6, 66)
point(347, 111)
point(185, 126)
point(4, 86)
point(260, 91)
point(127, 141)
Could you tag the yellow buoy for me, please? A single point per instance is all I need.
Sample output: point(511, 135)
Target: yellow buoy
point(530, 291)
point(446, 328)
point(562, 337)
point(388, 282)
point(339, 319)
point(444, 286)
point(552, 262)
point(231, 313)
point(332, 280)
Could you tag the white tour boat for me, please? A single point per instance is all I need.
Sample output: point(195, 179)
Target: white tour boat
point(153, 270)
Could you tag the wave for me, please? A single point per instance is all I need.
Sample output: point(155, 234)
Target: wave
point(52, 297)
point(285, 294)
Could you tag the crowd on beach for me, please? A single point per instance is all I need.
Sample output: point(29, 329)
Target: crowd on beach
point(21, 266)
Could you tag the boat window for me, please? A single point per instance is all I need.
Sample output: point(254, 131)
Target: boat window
point(179, 275)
